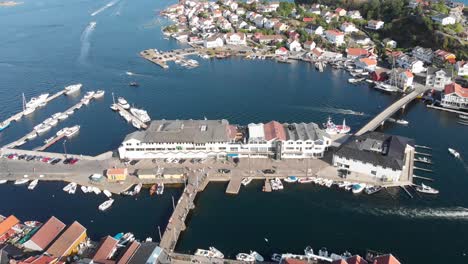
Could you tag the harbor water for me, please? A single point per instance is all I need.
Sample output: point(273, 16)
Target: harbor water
point(49, 44)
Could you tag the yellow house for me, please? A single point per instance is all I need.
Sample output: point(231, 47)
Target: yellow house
point(146, 174)
point(114, 175)
point(67, 244)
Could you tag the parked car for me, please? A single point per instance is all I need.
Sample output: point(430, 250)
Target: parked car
point(224, 171)
point(73, 161)
point(269, 171)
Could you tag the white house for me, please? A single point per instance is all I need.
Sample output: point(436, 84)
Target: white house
point(348, 27)
point(309, 45)
point(455, 96)
point(294, 45)
point(437, 78)
point(390, 43)
point(410, 63)
point(235, 39)
point(354, 14)
point(340, 11)
point(215, 41)
point(374, 155)
point(375, 24)
point(444, 19)
point(335, 36)
point(282, 51)
point(314, 29)
point(402, 78)
point(462, 68)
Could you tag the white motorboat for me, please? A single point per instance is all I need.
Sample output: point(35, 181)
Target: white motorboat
point(43, 129)
point(61, 131)
point(135, 124)
point(3, 181)
point(204, 253)
point(96, 190)
point(99, 94)
point(72, 189)
point(426, 189)
point(216, 252)
point(306, 180)
point(398, 121)
point(245, 257)
point(84, 189)
point(455, 153)
point(21, 181)
point(275, 257)
point(63, 116)
point(246, 181)
point(106, 205)
point(36, 101)
point(160, 189)
point(137, 188)
point(28, 111)
point(72, 88)
point(126, 116)
point(33, 184)
point(127, 237)
point(22, 142)
point(257, 256)
point(52, 122)
point(463, 117)
point(89, 95)
point(78, 106)
point(291, 179)
point(308, 251)
point(358, 187)
point(70, 112)
point(107, 193)
point(67, 187)
point(372, 189)
point(141, 114)
point(72, 131)
point(279, 183)
point(32, 136)
point(4, 125)
point(56, 115)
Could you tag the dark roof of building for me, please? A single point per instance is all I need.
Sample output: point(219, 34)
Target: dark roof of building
point(48, 232)
point(376, 148)
point(303, 131)
point(143, 253)
point(194, 131)
point(11, 251)
point(105, 250)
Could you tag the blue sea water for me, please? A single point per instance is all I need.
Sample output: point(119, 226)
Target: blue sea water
point(48, 44)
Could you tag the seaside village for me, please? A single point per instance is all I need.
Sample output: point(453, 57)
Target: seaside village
point(54, 242)
point(328, 35)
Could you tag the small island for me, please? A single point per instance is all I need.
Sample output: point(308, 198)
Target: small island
point(10, 3)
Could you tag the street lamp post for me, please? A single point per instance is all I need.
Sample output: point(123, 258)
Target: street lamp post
point(64, 148)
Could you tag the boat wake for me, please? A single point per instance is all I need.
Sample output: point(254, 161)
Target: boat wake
point(331, 110)
point(85, 43)
point(110, 4)
point(449, 213)
point(119, 9)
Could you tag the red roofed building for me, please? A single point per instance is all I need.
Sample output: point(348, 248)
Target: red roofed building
point(354, 53)
point(356, 259)
point(339, 261)
point(442, 56)
point(308, 19)
point(106, 250)
point(39, 260)
point(455, 96)
point(281, 51)
point(386, 259)
point(294, 261)
point(367, 64)
point(6, 227)
point(274, 130)
point(46, 234)
point(340, 11)
point(335, 36)
point(379, 75)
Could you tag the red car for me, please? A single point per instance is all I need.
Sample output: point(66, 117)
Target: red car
point(45, 159)
point(73, 161)
point(12, 156)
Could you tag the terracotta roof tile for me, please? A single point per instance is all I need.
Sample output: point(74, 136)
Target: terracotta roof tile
point(47, 233)
point(129, 251)
point(274, 130)
point(456, 88)
point(356, 259)
point(7, 224)
point(386, 259)
point(105, 250)
point(66, 240)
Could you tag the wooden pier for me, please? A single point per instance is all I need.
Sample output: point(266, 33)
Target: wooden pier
point(267, 186)
point(47, 145)
point(133, 118)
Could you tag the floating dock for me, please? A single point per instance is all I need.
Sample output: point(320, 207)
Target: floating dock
point(47, 145)
point(133, 118)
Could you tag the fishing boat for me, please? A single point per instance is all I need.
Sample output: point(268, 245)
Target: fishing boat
point(257, 256)
point(372, 189)
point(72, 131)
point(426, 189)
point(152, 190)
point(141, 114)
point(333, 129)
point(275, 257)
point(21, 181)
point(4, 125)
point(123, 103)
point(358, 188)
point(245, 257)
point(72, 88)
point(246, 181)
point(455, 153)
point(291, 179)
point(99, 94)
point(106, 205)
point(107, 193)
point(216, 252)
point(160, 189)
point(33, 184)
point(135, 124)
point(3, 181)
point(306, 180)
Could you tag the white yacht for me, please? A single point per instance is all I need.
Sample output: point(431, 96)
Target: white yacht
point(141, 114)
point(67, 187)
point(72, 88)
point(455, 153)
point(36, 101)
point(279, 183)
point(43, 129)
point(33, 184)
point(246, 181)
point(106, 205)
point(72, 131)
point(56, 115)
point(245, 257)
point(21, 181)
point(426, 189)
point(99, 94)
point(84, 189)
point(62, 116)
point(123, 103)
point(217, 253)
point(53, 122)
point(32, 136)
point(257, 256)
point(107, 193)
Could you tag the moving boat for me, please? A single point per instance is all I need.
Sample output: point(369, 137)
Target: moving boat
point(333, 129)
point(107, 193)
point(291, 179)
point(372, 189)
point(245, 257)
point(123, 103)
point(99, 94)
point(160, 189)
point(358, 187)
point(454, 153)
point(21, 181)
point(306, 180)
point(257, 256)
point(4, 125)
point(246, 181)
point(426, 189)
point(216, 252)
point(72, 131)
point(72, 88)
point(106, 205)
point(33, 184)
point(140, 114)
point(398, 121)
point(152, 190)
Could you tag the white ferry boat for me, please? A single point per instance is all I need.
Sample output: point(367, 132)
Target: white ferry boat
point(106, 205)
point(333, 129)
point(454, 153)
point(72, 88)
point(123, 103)
point(426, 189)
point(33, 184)
point(141, 114)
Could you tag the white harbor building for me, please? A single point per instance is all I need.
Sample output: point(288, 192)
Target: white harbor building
point(218, 138)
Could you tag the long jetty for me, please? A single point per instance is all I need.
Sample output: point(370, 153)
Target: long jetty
point(17, 116)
